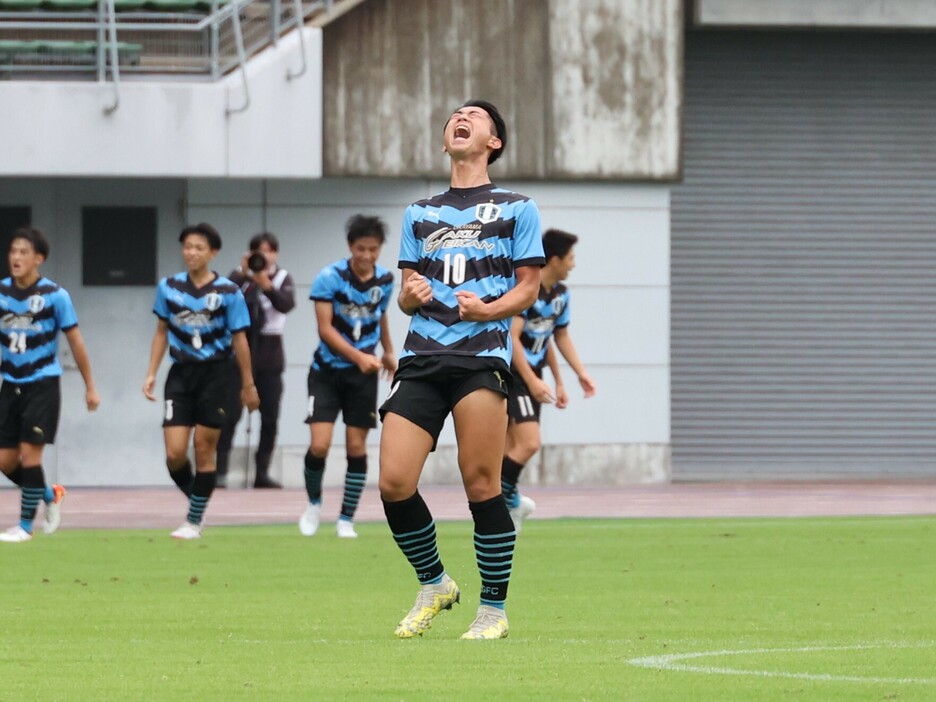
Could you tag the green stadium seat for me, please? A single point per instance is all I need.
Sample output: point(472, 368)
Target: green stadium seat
point(69, 5)
point(67, 49)
point(129, 5)
point(205, 5)
point(63, 52)
point(173, 5)
point(11, 48)
point(128, 53)
point(19, 5)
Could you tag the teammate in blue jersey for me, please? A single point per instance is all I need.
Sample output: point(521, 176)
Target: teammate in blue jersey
point(470, 259)
point(202, 320)
point(351, 298)
point(546, 319)
point(33, 310)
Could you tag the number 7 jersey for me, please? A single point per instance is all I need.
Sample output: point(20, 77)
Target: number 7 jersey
point(467, 239)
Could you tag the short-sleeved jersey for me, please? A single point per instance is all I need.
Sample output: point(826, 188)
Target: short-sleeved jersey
point(549, 313)
point(30, 321)
point(467, 239)
point(358, 306)
point(201, 320)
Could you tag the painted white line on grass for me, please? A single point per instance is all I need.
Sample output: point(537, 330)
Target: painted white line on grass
point(673, 662)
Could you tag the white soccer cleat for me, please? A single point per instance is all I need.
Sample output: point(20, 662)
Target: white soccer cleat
point(430, 602)
point(345, 529)
point(53, 510)
point(490, 623)
point(522, 511)
point(187, 532)
point(15, 535)
point(310, 519)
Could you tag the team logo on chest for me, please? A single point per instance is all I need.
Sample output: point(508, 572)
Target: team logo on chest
point(376, 295)
point(212, 301)
point(487, 212)
point(36, 303)
point(557, 306)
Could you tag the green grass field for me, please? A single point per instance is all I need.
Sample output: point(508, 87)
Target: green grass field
point(715, 609)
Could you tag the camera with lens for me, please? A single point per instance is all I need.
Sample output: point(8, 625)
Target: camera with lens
point(256, 262)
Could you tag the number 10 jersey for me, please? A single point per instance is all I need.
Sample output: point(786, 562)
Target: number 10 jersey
point(467, 239)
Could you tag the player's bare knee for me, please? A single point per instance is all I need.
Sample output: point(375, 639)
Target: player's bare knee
point(481, 484)
point(394, 488)
point(319, 449)
point(527, 449)
point(175, 460)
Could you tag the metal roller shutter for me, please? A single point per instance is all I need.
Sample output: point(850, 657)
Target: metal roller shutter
point(804, 257)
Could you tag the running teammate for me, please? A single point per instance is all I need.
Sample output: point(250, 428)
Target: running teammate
point(351, 298)
point(33, 310)
point(532, 330)
point(202, 320)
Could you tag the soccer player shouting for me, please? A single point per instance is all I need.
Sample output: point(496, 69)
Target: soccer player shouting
point(202, 319)
point(470, 259)
point(33, 310)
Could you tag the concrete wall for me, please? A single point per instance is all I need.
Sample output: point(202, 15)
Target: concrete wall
point(589, 88)
point(171, 128)
point(868, 14)
point(620, 322)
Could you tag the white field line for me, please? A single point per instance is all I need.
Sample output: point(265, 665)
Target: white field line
point(673, 662)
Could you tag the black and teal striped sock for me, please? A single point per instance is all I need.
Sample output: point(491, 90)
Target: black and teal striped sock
point(494, 539)
point(33, 488)
point(314, 470)
point(353, 485)
point(16, 475)
point(414, 532)
point(510, 476)
point(202, 487)
point(182, 476)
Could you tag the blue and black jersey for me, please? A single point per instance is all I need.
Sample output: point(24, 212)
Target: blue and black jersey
point(549, 313)
point(467, 239)
point(30, 320)
point(358, 306)
point(201, 320)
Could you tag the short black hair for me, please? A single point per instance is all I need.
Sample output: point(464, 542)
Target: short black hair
point(36, 239)
point(206, 230)
point(360, 226)
point(257, 239)
point(557, 243)
point(500, 127)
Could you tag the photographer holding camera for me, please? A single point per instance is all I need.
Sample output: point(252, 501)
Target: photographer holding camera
point(270, 294)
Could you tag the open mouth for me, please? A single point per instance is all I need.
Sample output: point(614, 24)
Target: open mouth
point(462, 132)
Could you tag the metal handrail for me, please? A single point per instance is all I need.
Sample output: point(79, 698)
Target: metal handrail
point(115, 59)
point(210, 56)
point(242, 58)
point(302, 49)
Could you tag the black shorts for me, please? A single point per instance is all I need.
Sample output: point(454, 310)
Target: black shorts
point(29, 412)
point(198, 393)
point(345, 390)
point(426, 388)
point(521, 405)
